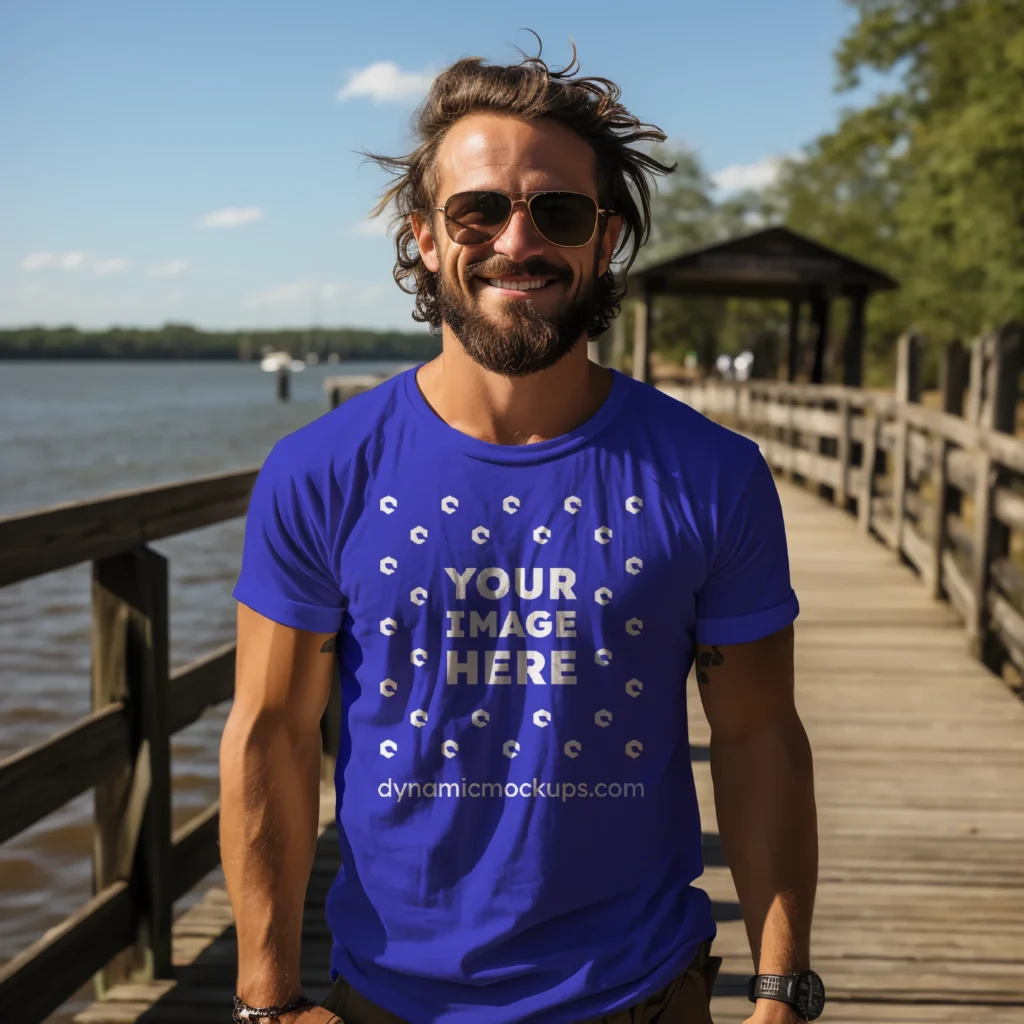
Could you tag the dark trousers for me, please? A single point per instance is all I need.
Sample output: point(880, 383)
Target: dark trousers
point(684, 1000)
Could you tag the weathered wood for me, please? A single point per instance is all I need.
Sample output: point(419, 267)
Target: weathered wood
point(992, 537)
point(113, 847)
point(155, 838)
point(1009, 577)
point(957, 587)
point(961, 467)
point(866, 495)
point(948, 466)
point(37, 781)
point(133, 810)
point(34, 543)
point(39, 979)
point(908, 390)
point(1008, 507)
point(202, 684)
point(1008, 624)
point(960, 536)
point(642, 321)
point(917, 551)
point(843, 447)
point(195, 850)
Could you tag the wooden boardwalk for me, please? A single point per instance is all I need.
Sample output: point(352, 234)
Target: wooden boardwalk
point(919, 757)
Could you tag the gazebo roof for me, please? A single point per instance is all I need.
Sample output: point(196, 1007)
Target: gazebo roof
point(775, 263)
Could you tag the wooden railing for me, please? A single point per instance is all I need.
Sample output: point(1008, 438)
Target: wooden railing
point(122, 749)
point(943, 488)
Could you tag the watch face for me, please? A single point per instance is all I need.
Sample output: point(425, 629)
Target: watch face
point(810, 995)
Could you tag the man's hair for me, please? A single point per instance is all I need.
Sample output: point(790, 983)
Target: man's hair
point(528, 90)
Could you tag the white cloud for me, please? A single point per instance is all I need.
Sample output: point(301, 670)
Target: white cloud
point(283, 295)
point(232, 217)
point(307, 293)
point(53, 260)
point(169, 269)
point(373, 226)
point(110, 266)
point(385, 82)
point(757, 175)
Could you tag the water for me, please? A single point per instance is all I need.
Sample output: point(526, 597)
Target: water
point(70, 431)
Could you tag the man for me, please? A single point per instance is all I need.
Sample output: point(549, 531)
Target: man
point(520, 554)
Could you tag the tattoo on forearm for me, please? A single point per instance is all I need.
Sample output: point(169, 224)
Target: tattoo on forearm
point(708, 659)
point(330, 646)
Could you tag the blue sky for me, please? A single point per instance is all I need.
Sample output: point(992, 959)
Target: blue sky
point(196, 161)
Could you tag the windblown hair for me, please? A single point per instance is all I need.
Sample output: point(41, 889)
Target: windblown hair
point(528, 90)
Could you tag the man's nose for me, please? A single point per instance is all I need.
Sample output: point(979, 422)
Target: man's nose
point(520, 240)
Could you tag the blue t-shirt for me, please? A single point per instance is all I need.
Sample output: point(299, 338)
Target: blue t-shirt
point(515, 802)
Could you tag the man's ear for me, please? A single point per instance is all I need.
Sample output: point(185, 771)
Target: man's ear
point(606, 243)
point(423, 231)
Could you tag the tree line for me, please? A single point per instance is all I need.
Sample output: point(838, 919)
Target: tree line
point(926, 183)
point(183, 341)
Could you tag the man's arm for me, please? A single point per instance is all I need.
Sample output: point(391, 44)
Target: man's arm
point(764, 797)
point(270, 797)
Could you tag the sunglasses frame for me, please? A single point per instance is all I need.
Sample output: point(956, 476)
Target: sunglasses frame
point(527, 199)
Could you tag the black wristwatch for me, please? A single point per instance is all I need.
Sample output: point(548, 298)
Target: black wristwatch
point(803, 991)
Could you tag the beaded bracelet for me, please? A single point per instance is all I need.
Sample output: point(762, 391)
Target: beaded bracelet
point(244, 1012)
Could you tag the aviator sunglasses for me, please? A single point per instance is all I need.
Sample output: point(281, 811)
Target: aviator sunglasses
point(566, 219)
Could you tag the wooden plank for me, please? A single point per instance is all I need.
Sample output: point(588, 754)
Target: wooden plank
point(957, 587)
point(961, 469)
point(123, 790)
point(195, 850)
point(34, 543)
point(1008, 507)
point(918, 551)
point(151, 691)
point(865, 496)
point(843, 448)
point(1008, 622)
point(40, 779)
point(52, 969)
point(197, 686)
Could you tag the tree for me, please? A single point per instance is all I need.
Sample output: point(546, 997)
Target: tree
point(927, 181)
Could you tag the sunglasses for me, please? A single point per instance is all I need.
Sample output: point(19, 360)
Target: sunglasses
point(566, 219)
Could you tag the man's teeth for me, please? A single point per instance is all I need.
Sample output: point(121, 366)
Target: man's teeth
point(519, 286)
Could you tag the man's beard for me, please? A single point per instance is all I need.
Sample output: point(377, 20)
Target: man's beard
point(523, 340)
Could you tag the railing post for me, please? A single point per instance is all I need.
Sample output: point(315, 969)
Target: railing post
point(869, 456)
point(843, 452)
point(642, 310)
point(953, 377)
point(1001, 357)
point(133, 812)
point(908, 389)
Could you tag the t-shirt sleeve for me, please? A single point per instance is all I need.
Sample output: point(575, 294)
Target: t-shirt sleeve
point(285, 573)
point(747, 594)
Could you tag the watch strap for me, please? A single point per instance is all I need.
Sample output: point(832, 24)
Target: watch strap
point(773, 986)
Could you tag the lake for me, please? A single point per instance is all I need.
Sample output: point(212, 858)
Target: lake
point(76, 430)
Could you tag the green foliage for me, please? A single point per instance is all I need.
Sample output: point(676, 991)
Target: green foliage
point(686, 215)
point(183, 341)
point(928, 181)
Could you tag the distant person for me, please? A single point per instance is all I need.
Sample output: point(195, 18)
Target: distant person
point(514, 556)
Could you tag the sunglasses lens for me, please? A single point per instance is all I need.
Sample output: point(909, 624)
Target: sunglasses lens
point(565, 218)
point(473, 218)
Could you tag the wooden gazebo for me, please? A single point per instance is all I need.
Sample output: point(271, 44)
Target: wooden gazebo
point(776, 263)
